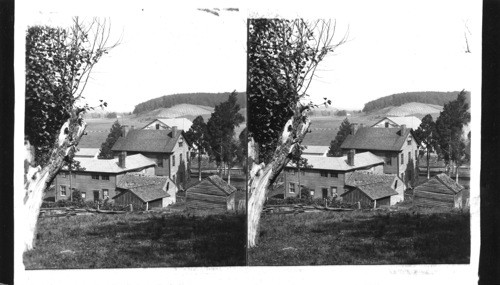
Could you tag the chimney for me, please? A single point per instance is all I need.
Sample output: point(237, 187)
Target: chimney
point(122, 157)
point(354, 128)
point(350, 157)
point(403, 129)
point(124, 130)
point(174, 131)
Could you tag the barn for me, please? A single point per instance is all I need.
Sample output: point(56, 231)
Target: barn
point(145, 191)
point(211, 193)
point(438, 191)
point(377, 189)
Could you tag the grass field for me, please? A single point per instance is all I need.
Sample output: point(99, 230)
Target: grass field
point(138, 240)
point(364, 237)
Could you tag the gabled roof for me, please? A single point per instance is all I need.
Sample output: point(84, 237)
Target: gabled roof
point(160, 141)
point(181, 123)
point(361, 160)
point(410, 121)
point(316, 150)
point(448, 182)
point(145, 187)
point(132, 162)
point(391, 139)
point(375, 186)
point(219, 183)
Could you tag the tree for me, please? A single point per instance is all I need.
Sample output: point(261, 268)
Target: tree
point(114, 133)
point(299, 162)
point(344, 131)
point(182, 176)
point(58, 65)
point(449, 126)
point(198, 136)
point(220, 129)
point(282, 59)
point(427, 135)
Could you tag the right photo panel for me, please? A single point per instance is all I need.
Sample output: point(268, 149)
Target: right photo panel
point(359, 136)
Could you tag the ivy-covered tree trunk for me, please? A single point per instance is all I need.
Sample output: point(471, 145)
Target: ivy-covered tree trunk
point(38, 178)
point(262, 176)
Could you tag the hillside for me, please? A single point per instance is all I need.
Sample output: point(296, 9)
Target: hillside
point(428, 97)
point(204, 99)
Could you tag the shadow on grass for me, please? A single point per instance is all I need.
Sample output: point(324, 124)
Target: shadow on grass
point(371, 238)
point(153, 241)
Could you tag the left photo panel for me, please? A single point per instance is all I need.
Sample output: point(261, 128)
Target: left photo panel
point(134, 140)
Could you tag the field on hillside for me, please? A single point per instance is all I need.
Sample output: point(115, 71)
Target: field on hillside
point(129, 240)
point(364, 237)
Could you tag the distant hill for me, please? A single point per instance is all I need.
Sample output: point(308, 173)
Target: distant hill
point(204, 99)
point(428, 97)
point(187, 111)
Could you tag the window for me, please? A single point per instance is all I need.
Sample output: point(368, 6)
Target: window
point(180, 158)
point(173, 159)
point(409, 155)
point(84, 195)
point(181, 142)
point(386, 124)
point(416, 154)
point(105, 177)
point(334, 174)
point(333, 189)
point(291, 188)
point(396, 184)
point(105, 193)
point(323, 173)
point(402, 158)
point(174, 178)
point(388, 160)
point(168, 185)
point(159, 161)
point(409, 140)
point(95, 176)
point(157, 126)
point(312, 193)
point(63, 190)
point(187, 156)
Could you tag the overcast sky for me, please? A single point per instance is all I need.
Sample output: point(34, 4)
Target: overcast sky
point(391, 49)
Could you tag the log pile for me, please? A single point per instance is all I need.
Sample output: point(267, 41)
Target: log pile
point(299, 208)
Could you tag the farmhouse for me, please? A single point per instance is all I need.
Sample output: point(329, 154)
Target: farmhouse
point(97, 179)
point(167, 147)
point(376, 189)
point(144, 191)
point(438, 191)
point(211, 193)
point(326, 176)
point(411, 122)
point(166, 124)
point(397, 145)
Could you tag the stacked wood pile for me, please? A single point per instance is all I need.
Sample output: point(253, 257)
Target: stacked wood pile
point(299, 208)
point(72, 211)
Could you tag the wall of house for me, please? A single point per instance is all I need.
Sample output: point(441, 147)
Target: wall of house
point(128, 198)
point(355, 196)
point(413, 150)
point(83, 182)
point(206, 196)
point(312, 179)
point(177, 151)
point(384, 202)
point(152, 126)
point(381, 124)
point(158, 170)
point(155, 204)
point(400, 188)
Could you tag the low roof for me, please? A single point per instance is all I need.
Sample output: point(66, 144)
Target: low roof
point(410, 121)
point(446, 181)
point(361, 160)
point(375, 186)
point(132, 162)
point(161, 141)
point(321, 149)
point(87, 152)
point(181, 123)
point(219, 183)
point(145, 187)
point(391, 139)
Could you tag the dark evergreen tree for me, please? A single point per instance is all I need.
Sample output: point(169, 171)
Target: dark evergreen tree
point(114, 133)
point(344, 131)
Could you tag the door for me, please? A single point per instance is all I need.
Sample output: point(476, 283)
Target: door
point(324, 192)
point(96, 195)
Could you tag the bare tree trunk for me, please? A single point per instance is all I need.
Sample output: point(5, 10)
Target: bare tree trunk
point(228, 175)
point(428, 167)
point(38, 178)
point(262, 176)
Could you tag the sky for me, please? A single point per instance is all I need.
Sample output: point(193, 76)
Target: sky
point(390, 49)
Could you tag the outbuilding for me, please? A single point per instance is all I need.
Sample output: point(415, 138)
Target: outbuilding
point(438, 191)
point(211, 193)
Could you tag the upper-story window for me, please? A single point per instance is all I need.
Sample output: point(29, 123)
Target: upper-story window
point(180, 157)
point(159, 161)
point(386, 124)
point(323, 173)
point(402, 158)
point(157, 126)
point(181, 141)
point(63, 190)
point(334, 174)
point(95, 176)
point(388, 160)
point(105, 177)
point(173, 159)
point(409, 140)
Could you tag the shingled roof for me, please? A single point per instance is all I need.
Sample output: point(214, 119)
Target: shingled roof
point(145, 187)
point(219, 183)
point(375, 186)
point(161, 141)
point(376, 139)
point(133, 162)
point(449, 183)
point(361, 160)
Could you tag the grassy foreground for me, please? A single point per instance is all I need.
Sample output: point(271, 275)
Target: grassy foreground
point(364, 237)
point(139, 240)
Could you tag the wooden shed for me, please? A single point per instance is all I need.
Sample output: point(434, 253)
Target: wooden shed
point(377, 189)
point(438, 191)
point(213, 194)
